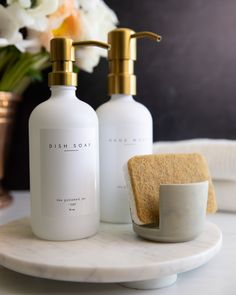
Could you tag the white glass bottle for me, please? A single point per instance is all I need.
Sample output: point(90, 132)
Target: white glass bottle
point(63, 134)
point(125, 130)
point(64, 156)
point(125, 126)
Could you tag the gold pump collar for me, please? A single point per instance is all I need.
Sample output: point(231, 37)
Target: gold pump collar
point(121, 56)
point(62, 56)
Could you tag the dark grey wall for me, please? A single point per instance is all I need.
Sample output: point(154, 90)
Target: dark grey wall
point(187, 81)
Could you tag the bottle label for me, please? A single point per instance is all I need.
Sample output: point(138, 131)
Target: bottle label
point(68, 171)
point(118, 145)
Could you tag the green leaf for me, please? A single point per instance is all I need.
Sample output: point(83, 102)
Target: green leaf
point(15, 67)
point(75, 69)
point(35, 75)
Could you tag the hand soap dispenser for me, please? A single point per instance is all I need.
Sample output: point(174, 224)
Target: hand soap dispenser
point(64, 166)
point(125, 126)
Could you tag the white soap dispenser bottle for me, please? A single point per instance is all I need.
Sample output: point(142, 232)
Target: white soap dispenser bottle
point(125, 126)
point(64, 165)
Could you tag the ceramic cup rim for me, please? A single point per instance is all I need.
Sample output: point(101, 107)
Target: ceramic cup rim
point(174, 185)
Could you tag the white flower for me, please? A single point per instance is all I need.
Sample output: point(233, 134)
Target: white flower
point(87, 59)
point(33, 18)
point(76, 19)
point(64, 22)
point(14, 17)
point(23, 3)
point(88, 5)
point(97, 19)
point(9, 32)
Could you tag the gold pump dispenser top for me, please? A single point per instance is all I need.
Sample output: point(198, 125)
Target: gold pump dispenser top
point(62, 56)
point(121, 57)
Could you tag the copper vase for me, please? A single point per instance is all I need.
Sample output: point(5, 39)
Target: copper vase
point(8, 106)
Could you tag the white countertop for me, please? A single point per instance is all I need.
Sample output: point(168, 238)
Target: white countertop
point(217, 277)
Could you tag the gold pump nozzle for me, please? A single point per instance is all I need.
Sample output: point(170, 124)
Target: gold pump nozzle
point(146, 34)
point(92, 43)
point(62, 56)
point(121, 57)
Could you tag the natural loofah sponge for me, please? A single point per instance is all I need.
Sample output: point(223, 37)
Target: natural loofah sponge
point(147, 173)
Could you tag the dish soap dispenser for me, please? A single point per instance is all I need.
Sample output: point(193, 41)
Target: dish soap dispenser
point(125, 126)
point(64, 167)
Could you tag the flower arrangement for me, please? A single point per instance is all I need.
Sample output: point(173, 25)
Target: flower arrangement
point(27, 26)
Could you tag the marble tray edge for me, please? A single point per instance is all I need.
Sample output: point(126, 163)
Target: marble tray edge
point(36, 270)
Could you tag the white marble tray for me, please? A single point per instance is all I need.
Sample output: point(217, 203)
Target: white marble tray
point(115, 254)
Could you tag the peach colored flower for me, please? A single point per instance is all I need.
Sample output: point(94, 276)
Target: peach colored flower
point(70, 27)
point(79, 20)
point(64, 22)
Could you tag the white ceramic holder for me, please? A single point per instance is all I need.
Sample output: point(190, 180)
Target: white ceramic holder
point(114, 255)
point(182, 213)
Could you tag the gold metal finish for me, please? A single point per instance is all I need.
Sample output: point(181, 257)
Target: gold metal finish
point(61, 49)
point(8, 105)
point(92, 43)
point(62, 57)
point(146, 34)
point(121, 57)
